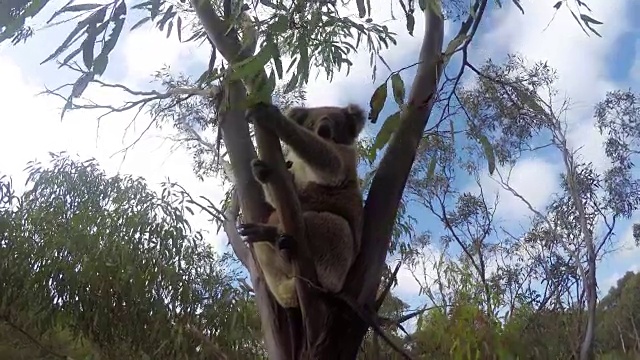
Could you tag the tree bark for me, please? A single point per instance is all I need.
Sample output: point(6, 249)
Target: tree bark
point(333, 330)
point(384, 197)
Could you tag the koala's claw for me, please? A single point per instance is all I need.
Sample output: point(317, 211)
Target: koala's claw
point(254, 233)
point(258, 111)
point(285, 242)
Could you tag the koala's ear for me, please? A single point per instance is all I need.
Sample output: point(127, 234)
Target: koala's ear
point(298, 114)
point(356, 116)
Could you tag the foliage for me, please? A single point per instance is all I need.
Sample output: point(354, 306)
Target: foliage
point(109, 260)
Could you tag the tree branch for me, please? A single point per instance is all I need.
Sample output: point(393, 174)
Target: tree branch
point(388, 183)
point(235, 134)
point(385, 292)
point(238, 246)
point(32, 338)
point(227, 43)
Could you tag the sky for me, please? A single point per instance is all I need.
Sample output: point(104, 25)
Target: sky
point(588, 67)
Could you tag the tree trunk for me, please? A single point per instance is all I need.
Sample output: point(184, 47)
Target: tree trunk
point(332, 328)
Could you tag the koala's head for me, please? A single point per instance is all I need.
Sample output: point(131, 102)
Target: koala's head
point(341, 125)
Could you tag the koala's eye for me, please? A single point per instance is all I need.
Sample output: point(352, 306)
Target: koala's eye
point(324, 129)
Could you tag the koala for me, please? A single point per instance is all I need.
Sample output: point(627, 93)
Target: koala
point(322, 159)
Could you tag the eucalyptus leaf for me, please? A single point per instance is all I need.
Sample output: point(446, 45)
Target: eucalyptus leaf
point(397, 85)
point(377, 101)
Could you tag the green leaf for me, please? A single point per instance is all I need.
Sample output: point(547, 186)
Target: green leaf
point(81, 84)
point(361, 9)
point(431, 170)
point(140, 23)
point(388, 128)
point(453, 45)
point(155, 8)
point(411, 23)
point(141, 5)
point(74, 8)
point(179, 28)
point(488, 152)
point(263, 89)
point(578, 21)
point(280, 26)
point(101, 61)
point(377, 102)
point(167, 15)
point(518, 5)
point(291, 84)
point(70, 56)
point(96, 16)
point(252, 65)
point(397, 85)
point(87, 46)
point(169, 28)
point(303, 62)
point(589, 19)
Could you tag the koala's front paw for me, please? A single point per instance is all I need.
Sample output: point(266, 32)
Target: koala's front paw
point(261, 171)
point(253, 233)
point(257, 111)
point(285, 242)
point(262, 113)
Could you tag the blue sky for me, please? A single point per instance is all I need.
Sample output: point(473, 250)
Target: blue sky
point(587, 67)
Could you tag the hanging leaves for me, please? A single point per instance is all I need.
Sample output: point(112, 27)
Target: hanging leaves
point(93, 26)
point(377, 102)
point(397, 85)
point(488, 152)
point(384, 135)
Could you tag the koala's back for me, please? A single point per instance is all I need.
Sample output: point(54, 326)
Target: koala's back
point(344, 200)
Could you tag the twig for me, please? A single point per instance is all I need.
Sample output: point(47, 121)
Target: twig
point(32, 338)
point(238, 246)
point(387, 288)
point(369, 317)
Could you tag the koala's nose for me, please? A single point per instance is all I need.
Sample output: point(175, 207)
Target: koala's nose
point(324, 130)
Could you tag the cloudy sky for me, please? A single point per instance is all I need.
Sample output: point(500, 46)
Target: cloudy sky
point(587, 67)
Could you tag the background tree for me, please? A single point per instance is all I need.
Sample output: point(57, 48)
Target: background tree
point(278, 27)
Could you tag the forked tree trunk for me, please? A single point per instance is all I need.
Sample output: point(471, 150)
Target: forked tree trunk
point(331, 328)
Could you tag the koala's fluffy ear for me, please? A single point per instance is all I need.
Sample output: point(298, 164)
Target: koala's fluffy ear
point(298, 114)
point(356, 116)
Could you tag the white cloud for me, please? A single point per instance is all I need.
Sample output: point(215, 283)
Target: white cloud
point(419, 275)
point(628, 248)
point(581, 61)
point(358, 86)
point(147, 49)
point(533, 178)
point(407, 283)
point(32, 129)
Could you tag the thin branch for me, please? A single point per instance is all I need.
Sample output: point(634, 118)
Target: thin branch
point(209, 347)
point(32, 338)
point(238, 246)
point(385, 292)
point(365, 314)
point(387, 186)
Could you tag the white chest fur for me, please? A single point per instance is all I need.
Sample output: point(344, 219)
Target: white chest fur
point(302, 174)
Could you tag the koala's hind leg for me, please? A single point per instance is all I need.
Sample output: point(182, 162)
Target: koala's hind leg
point(331, 244)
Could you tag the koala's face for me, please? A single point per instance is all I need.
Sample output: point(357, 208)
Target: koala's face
point(341, 125)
